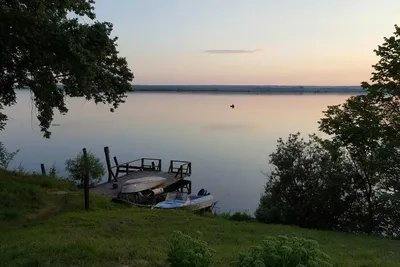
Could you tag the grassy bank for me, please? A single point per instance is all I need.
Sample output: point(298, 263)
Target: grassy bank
point(42, 225)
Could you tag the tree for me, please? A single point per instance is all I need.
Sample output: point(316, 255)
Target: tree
point(308, 186)
point(6, 157)
point(45, 43)
point(358, 165)
point(368, 128)
point(358, 128)
point(77, 170)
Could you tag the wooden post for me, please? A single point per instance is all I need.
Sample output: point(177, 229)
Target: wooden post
point(116, 166)
point(43, 169)
point(86, 179)
point(107, 153)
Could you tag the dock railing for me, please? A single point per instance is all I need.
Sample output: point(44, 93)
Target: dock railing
point(141, 164)
point(180, 168)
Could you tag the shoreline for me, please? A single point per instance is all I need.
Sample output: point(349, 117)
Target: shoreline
point(241, 89)
point(249, 89)
point(275, 92)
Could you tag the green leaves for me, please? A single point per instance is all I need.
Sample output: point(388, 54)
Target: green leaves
point(5, 156)
point(186, 251)
point(76, 168)
point(387, 71)
point(306, 186)
point(42, 47)
point(284, 251)
point(342, 182)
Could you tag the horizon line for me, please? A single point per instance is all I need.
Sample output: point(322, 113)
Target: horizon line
point(297, 85)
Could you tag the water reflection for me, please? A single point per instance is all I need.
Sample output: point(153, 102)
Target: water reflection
point(228, 147)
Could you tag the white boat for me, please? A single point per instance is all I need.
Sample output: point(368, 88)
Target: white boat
point(178, 200)
point(141, 184)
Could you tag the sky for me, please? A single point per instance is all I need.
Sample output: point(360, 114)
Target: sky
point(243, 42)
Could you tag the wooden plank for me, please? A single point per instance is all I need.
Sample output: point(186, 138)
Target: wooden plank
point(43, 169)
point(86, 179)
point(108, 162)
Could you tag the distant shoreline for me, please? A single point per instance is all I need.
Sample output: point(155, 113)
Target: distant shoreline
point(246, 89)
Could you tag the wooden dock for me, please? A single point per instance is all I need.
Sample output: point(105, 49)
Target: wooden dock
point(178, 170)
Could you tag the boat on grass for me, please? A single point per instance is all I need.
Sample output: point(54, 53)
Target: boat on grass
point(141, 190)
point(142, 184)
point(178, 200)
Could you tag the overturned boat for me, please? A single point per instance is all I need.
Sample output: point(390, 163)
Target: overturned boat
point(141, 190)
point(203, 201)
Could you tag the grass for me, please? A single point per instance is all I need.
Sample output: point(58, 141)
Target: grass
point(41, 228)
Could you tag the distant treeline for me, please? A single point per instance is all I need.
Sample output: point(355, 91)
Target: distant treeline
point(245, 89)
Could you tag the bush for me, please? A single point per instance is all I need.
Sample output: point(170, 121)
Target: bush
point(284, 251)
point(76, 169)
point(5, 156)
point(53, 170)
point(185, 251)
point(309, 186)
point(237, 216)
point(241, 217)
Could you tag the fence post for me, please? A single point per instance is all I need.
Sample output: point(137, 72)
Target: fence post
point(43, 169)
point(86, 179)
point(107, 153)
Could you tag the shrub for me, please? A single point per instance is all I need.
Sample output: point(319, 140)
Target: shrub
point(185, 251)
point(53, 170)
point(5, 156)
point(284, 251)
point(76, 169)
point(241, 217)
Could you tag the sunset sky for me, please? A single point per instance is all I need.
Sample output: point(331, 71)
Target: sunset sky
point(287, 42)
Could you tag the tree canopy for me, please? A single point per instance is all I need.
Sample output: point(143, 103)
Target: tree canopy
point(46, 43)
point(348, 181)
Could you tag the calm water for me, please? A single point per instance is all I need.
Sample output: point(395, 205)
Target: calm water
point(228, 147)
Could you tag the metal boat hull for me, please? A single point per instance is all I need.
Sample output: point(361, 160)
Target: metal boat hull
point(141, 184)
point(197, 203)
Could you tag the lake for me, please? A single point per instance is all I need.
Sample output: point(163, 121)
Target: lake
point(228, 147)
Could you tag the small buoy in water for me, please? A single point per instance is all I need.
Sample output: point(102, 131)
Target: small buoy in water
point(232, 106)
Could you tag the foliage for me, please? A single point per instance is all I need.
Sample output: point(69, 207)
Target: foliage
point(241, 217)
point(386, 77)
point(186, 251)
point(53, 170)
point(5, 156)
point(367, 127)
point(237, 216)
point(371, 139)
point(285, 252)
point(48, 43)
point(77, 169)
point(350, 180)
point(308, 186)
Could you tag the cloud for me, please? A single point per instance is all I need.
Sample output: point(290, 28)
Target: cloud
point(231, 51)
